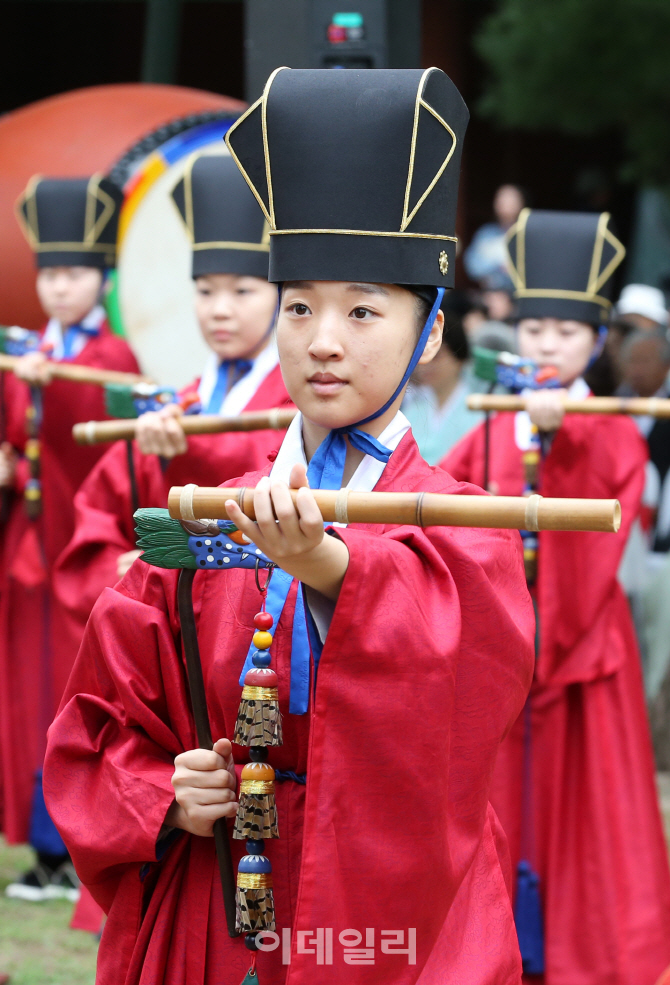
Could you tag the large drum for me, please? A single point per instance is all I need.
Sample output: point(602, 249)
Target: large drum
point(155, 290)
point(142, 136)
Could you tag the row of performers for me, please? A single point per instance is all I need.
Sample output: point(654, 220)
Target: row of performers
point(458, 764)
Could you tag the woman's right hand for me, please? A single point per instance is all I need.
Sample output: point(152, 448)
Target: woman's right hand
point(34, 368)
point(204, 784)
point(7, 465)
point(546, 409)
point(159, 432)
point(125, 561)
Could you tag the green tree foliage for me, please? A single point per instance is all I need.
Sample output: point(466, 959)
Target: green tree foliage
point(584, 66)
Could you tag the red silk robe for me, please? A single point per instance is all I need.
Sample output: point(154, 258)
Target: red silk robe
point(103, 506)
point(425, 667)
point(36, 653)
point(594, 832)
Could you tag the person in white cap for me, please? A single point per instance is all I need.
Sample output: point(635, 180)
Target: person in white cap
point(642, 307)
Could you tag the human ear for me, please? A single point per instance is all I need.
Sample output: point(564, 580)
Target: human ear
point(434, 340)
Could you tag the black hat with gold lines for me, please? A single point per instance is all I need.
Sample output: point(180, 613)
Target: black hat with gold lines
point(562, 264)
point(228, 232)
point(357, 173)
point(71, 222)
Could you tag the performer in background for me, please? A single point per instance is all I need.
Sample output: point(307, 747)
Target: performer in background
point(235, 306)
point(574, 782)
point(71, 224)
point(422, 638)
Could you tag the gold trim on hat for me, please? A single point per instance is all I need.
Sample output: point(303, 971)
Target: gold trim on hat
point(266, 146)
point(268, 210)
point(596, 279)
point(362, 232)
point(93, 227)
point(604, 234)
point(187, 218)
point(188, 221)
point(540, 292)
point(518, 229)
point(254, 106)
point(75, 247)
point(27, 215)
point(231, 245)
point(27, 219)
point(420, 102)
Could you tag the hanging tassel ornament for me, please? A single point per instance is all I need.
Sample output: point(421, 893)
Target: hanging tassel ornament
point(32, 493)
point(258, 720)
point(258, 727)
point(531, 469)
point(255, 900)
point(257, 813)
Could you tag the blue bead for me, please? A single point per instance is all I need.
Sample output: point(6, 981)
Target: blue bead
point(255, 846)
point(254, 864)
point(261, 658)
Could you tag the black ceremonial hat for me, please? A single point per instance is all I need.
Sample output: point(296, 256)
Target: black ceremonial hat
point(356, 172)
point(227, 229)
point(562, 264)
point(71, 222)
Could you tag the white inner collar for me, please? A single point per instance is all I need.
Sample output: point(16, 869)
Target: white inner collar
point(239, 395)
point(368, 473)
point(53, 333)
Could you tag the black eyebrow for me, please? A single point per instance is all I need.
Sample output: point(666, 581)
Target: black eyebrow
point(306, 285)
point(368, 289)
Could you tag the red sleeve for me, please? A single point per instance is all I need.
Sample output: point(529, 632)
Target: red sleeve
point(104, 528)
point(117, 733)
point(426, 666)
point(595, 458)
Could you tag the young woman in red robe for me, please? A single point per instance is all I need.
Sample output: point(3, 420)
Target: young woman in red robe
point(235, 306)
point(574, 782)
point(390, 864)
point(35, 654)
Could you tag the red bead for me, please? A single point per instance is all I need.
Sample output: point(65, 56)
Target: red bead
point(260, 677)
point(263, 620)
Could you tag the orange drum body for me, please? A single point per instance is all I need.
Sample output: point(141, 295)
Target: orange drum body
point(88, 130)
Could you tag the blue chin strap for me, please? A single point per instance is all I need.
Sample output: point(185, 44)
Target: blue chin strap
point(325, 472)
point(601, 338)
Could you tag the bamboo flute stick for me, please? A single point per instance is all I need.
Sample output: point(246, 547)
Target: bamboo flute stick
point(276, 419)
point(420, 509)
point(642, 406)
point(77, 373)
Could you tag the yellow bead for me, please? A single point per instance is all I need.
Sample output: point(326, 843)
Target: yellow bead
point(32, 449)
point(262, 640)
